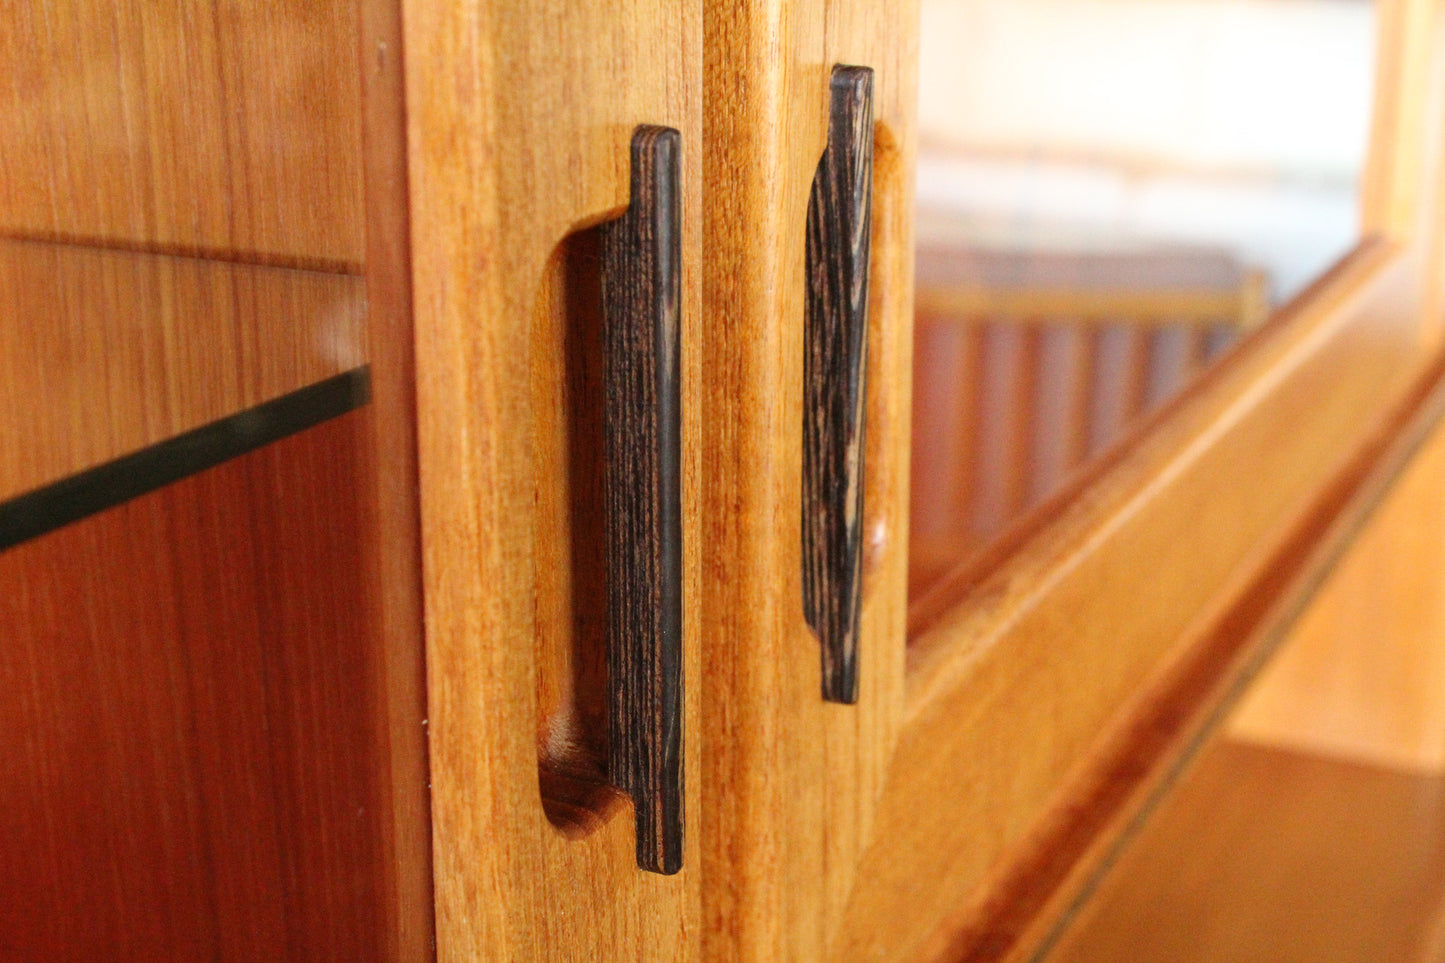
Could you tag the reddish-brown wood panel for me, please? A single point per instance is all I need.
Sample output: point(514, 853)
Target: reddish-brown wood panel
point(196, 762)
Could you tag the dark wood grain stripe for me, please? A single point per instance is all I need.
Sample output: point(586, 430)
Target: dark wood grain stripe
point(641, 290)
point(834, 379)
point(105, 486)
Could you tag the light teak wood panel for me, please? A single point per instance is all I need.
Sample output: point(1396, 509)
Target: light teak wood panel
point(520, 118)
point(231, 129)
point(194, 763)
point(105, 352)
point(790, 782)
point(1360, 676)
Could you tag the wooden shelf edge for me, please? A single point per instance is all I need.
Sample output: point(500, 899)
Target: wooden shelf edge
point(1024, 908)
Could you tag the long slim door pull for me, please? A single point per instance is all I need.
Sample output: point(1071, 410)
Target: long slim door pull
point(835, 379)
point(641, 297)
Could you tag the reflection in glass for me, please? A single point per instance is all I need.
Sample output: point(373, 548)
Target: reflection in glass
point(1110, 194)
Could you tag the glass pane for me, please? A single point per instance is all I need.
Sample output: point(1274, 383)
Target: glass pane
point(1111, 193)
point(181, 221)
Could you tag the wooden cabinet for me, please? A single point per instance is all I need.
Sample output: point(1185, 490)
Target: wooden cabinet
point(342, 687)
point(214, 706)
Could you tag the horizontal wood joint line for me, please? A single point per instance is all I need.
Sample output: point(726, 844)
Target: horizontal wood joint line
point(318, 265)
point(79, 496)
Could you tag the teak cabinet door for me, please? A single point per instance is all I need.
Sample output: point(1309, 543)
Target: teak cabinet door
point(1008, 722)
point(791, 783)
point(523, 119)
point(1005, 723)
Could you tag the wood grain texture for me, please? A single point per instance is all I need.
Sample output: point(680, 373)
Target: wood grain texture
point(790, 780)
point(228, 130)
point(520, 116)
point(1264, 854)
point(835, 379)
point(641, 294)
point(193, 765)
point(119, 350)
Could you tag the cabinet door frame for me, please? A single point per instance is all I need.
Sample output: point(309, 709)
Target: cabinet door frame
point(1009, 722)
point(520, 121)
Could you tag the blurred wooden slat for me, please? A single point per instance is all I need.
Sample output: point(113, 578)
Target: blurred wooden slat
point(1196, 351)
point(946, 360)
point(1134, 375)
point(194, 763)
point(1064, 352)
point(106, 352)
point(1084, 307)
point(1082, 376)
point(231, 130)
point(1023, 419)
point(1267, 856)
point(1163, 288)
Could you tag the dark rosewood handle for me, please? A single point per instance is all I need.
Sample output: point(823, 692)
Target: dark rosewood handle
point(835, 345)
point(641, 296)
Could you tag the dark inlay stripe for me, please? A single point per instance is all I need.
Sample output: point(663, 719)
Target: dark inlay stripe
point(105, 486)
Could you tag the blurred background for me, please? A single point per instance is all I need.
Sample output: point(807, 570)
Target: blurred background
point(1111, 193)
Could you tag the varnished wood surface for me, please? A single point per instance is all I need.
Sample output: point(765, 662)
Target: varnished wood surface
point(641, 295)
point(835, 379)
point(144, 143)
point(193, 765)
point(790, 781)
point(1269, 856)
point(231, 130)
point(520, 116)
point(1042, 651)
point(105, 352)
